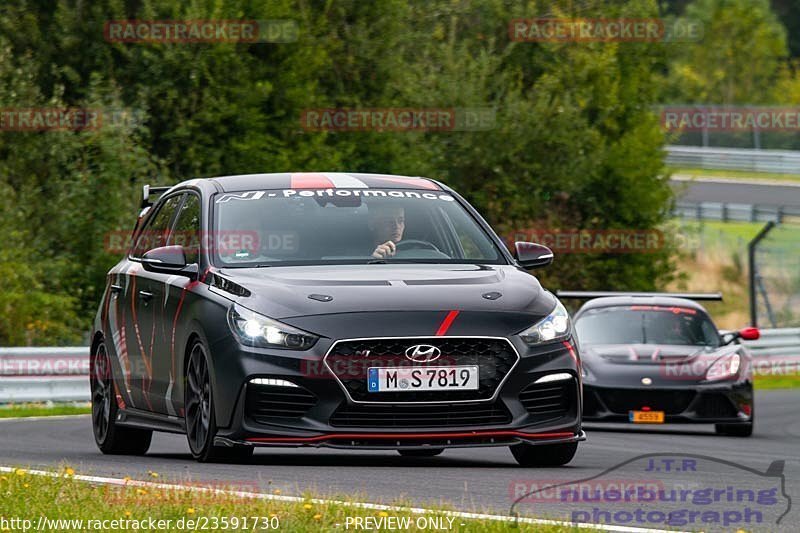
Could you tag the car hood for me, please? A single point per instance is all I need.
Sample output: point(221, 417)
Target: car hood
point(284, 292)
point(652, 354)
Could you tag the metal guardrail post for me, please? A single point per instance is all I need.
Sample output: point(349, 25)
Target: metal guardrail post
point(751, 256)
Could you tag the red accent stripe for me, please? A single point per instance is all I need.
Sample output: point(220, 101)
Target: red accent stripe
point(310, 180)
point(445, 325)
point(401, 436)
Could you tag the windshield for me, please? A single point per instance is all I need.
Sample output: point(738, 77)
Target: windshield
point(347, 226)
point(646, 325)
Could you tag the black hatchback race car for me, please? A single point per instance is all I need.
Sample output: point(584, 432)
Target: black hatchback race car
point(659, 358)
point(330, 309)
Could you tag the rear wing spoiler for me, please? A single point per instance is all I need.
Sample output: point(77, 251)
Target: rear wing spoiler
point(147, 190)
point(588, 295)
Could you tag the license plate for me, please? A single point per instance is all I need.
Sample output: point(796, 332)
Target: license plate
point(646, 417)
point(429, 378)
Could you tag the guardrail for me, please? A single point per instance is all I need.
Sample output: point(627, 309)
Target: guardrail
point(62, 374)
point(733, 212)
point(44, 374)
point(778, 161)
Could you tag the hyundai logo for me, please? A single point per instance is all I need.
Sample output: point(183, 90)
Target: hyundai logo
point(423, 353)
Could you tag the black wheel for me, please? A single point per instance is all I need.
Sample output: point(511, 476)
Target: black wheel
point(201, 426)
point(737, 430)
point(424, 452)
point(734, 430)
point(544, 454)
point(111, 438)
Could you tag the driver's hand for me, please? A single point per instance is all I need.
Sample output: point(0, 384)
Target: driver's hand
point(384, 250)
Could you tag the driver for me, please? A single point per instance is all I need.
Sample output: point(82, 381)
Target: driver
point(387, 224)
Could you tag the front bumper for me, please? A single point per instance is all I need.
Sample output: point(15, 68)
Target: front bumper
point(318, 412)
point(704, 404)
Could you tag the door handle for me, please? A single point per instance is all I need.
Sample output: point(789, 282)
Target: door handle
point(145, 295)
point(116, 289)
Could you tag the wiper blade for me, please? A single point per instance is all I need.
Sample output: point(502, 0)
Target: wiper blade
point(376, 262)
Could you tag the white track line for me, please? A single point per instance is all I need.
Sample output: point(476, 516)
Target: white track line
point(359, 505)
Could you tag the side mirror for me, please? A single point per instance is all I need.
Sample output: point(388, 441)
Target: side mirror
point(749, 334)
point(532, 255)
point(169, 260)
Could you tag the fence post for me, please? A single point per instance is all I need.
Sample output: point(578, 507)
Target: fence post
point(751, 255)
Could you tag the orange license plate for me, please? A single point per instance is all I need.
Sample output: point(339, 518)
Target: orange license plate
point(646, 417)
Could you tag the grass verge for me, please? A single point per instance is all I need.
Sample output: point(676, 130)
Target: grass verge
point(735, 174)
point(770, 382)
point(22, 410)
point(63, 497)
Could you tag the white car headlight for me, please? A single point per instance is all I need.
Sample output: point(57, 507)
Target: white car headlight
point(253, 329)
point(553, 327)
point(723, 368)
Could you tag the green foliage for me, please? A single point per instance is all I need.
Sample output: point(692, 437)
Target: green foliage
point(574, 144)
point(737, 62)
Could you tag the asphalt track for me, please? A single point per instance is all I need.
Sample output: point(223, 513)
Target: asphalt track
point(736, 192)
point(478, 479)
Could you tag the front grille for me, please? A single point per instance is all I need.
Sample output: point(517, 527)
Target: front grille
point(715, 405)
point(546, 401)
point(672, 402)
point(419, 416)
point(350, 360)
point(266, 403)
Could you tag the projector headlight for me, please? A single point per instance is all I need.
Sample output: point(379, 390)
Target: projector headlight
point(724, 368)
point(253, 329)
point(553, 327)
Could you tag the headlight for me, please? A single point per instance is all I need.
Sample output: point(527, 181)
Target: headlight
point(724, 368)
point(553, 327)
point(253, 329)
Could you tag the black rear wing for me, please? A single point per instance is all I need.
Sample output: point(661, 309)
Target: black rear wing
point(588, 295)
point(147, 190)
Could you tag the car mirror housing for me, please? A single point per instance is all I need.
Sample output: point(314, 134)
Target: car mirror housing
point(532, 255)
point(169, 260)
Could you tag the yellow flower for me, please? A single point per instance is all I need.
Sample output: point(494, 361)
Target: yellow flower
point(383, 513)
point(126, 479)
point(141, 492)
point(19, 471)
point(26, 485)
point(128, 513)
point(276, 491)
point(273, 515)
point(317, 516)
point(69, 471)
point(153, 474)
point(307, 506)
point(190, 510)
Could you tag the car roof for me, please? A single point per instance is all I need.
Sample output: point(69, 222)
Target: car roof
point(659, 301)
point(321, 180)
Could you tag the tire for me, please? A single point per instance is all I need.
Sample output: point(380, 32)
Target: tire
point(109, 437)
point(734, 430)
point(530, 455)
point(201, 425)
point(424, 452)
point(737, 430)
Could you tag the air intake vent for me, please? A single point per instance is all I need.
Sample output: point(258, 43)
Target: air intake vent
point(418, 416)
point(266, 403)
point(551, 400)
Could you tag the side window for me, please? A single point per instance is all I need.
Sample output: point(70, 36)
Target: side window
point(187, 229)
point(156, 231)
